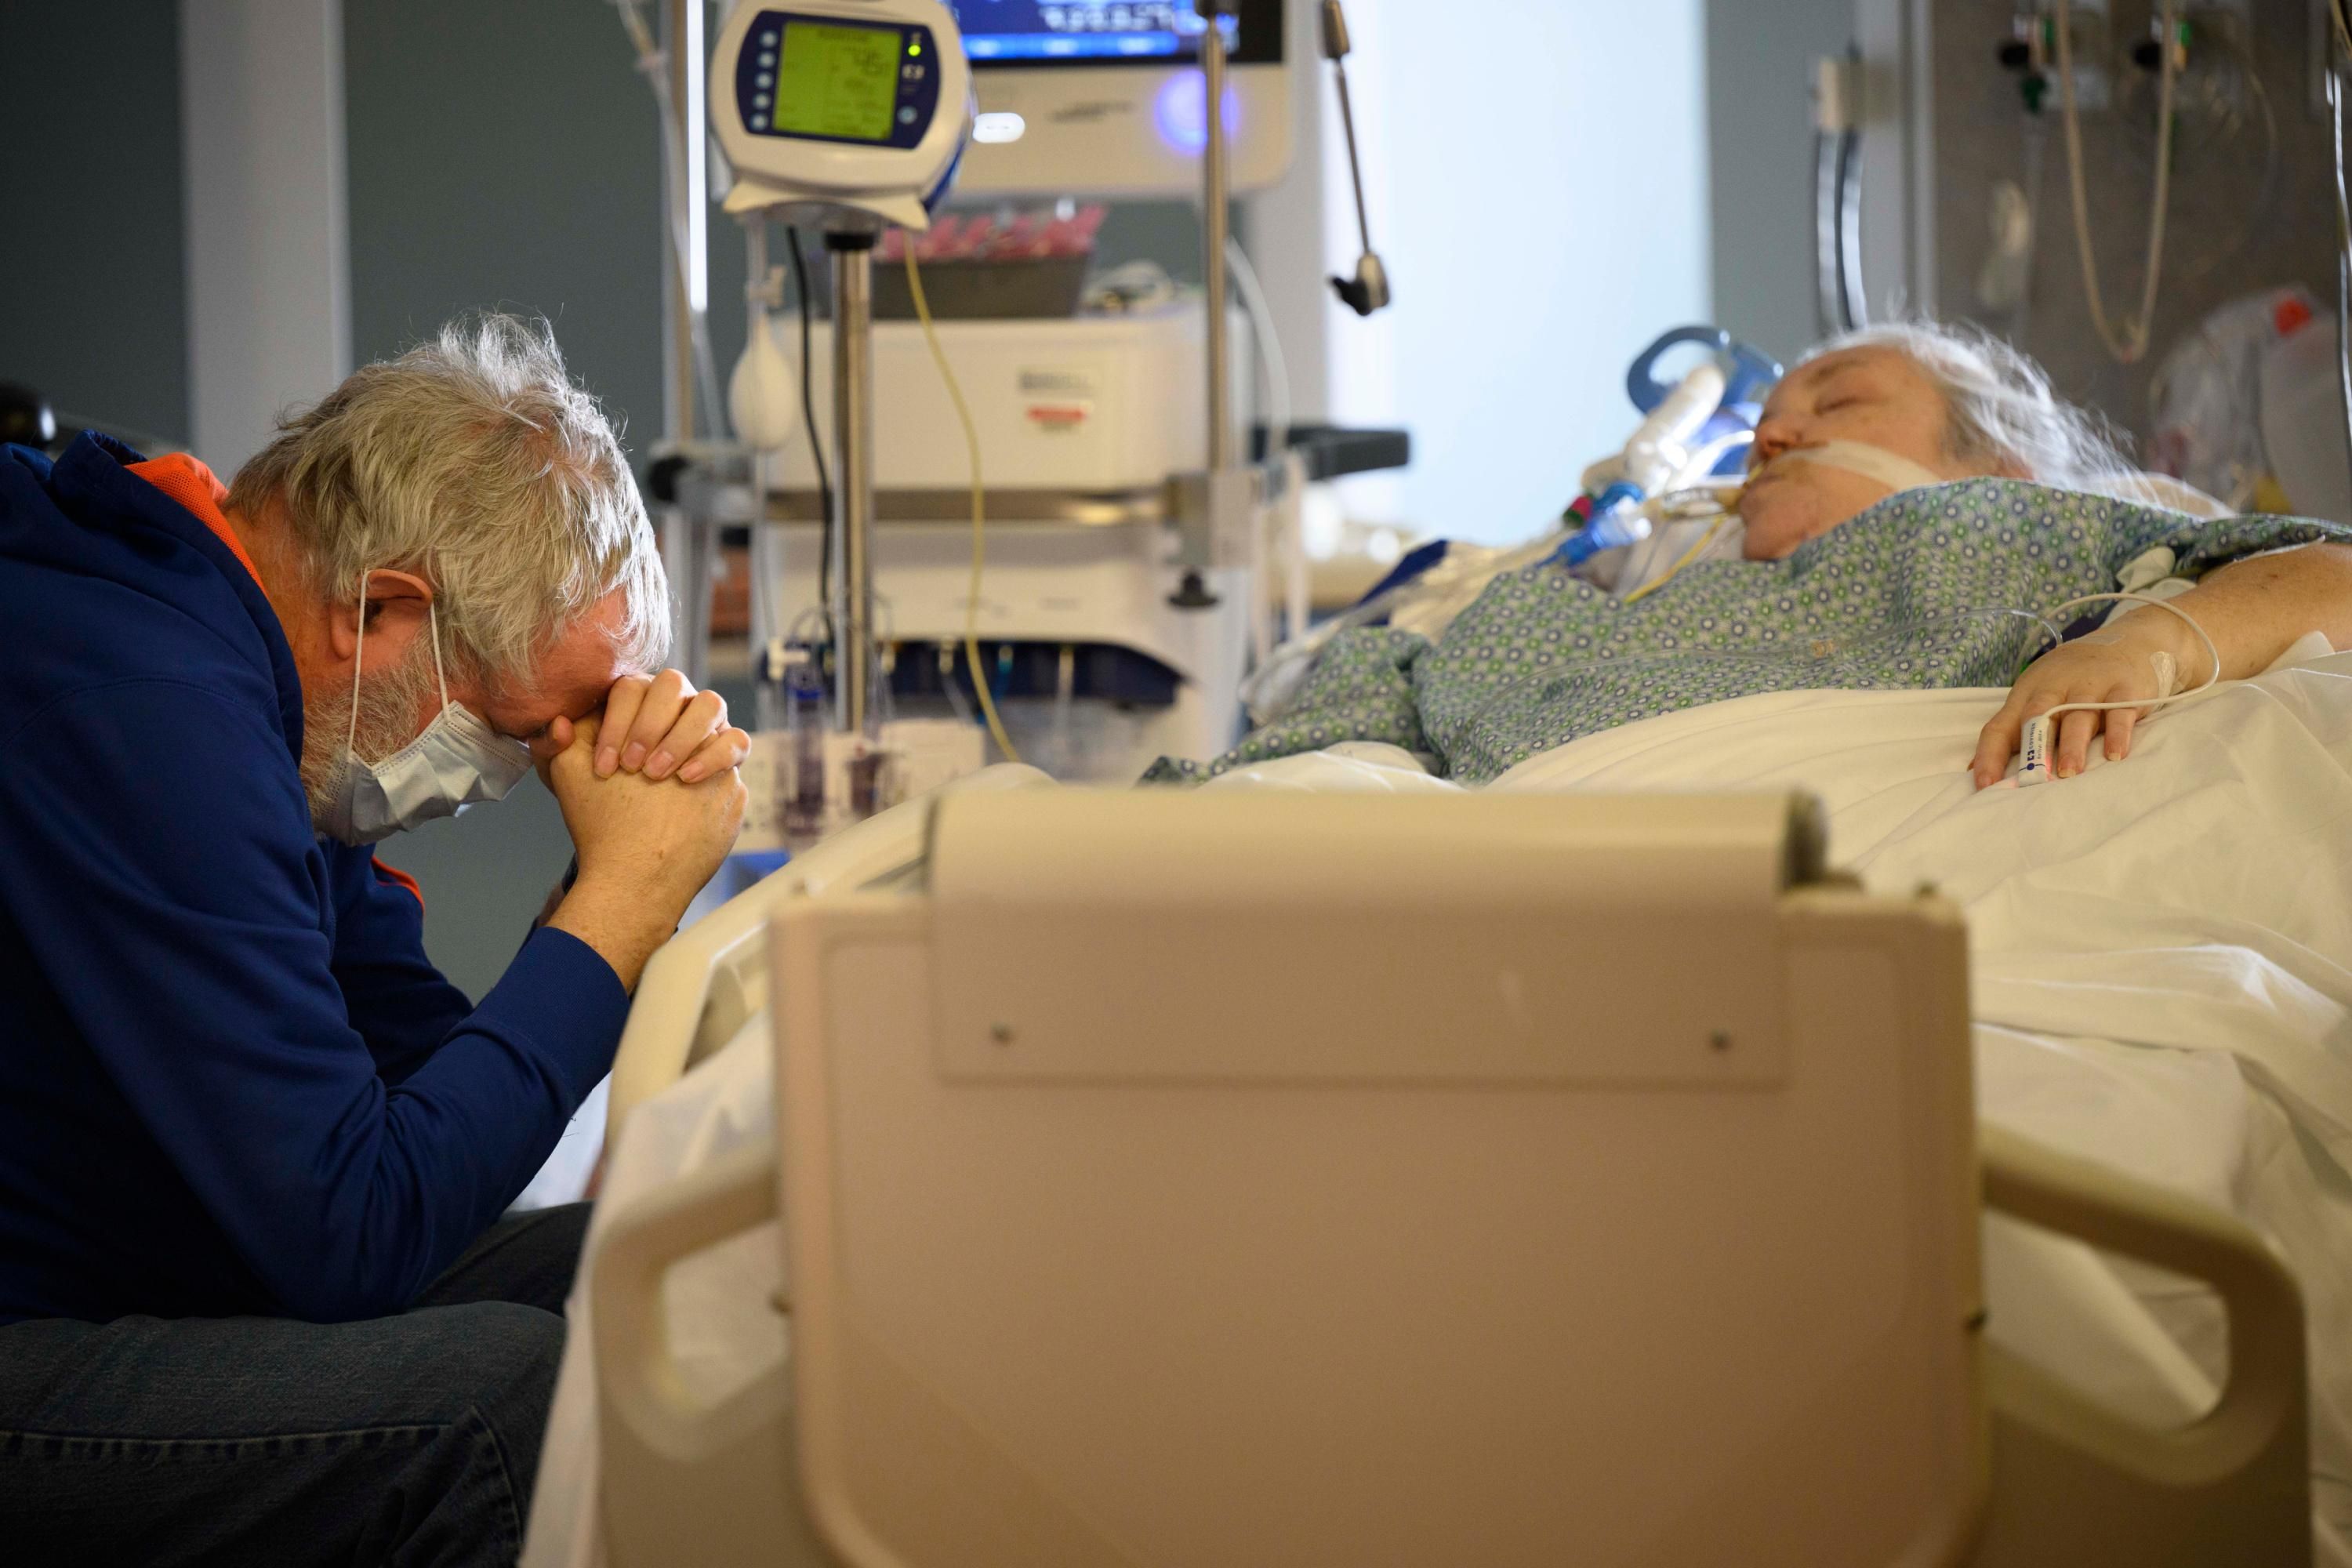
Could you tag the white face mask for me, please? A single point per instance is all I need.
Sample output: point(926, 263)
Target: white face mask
point(457, 761)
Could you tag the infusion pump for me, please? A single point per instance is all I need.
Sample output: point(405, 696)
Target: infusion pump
point(858, 104)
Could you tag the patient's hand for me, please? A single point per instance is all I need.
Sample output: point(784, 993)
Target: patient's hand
point(2253, 610)
point(2131, 661)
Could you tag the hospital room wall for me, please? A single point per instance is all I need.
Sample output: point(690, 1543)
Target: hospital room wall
point(1539, 229)
point(93, 301)
point(1760, 119)
point(507, 155)
point(2229, 234)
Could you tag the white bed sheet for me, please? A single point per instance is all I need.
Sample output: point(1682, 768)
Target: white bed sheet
point(2162, 974)
point(2162, 957)
point(2161, 965)
point(722, 1332)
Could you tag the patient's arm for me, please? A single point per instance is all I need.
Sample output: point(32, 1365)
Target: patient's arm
point(2253, 610)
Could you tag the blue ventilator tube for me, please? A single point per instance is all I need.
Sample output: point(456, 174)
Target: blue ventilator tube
point(1615, 517)
point(1718, 397)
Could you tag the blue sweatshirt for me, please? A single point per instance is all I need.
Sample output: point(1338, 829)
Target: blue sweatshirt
point(230, 1082)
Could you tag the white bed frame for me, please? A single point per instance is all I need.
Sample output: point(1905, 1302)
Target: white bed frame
point(1073, 1019)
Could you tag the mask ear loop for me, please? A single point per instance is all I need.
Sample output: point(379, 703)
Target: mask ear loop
point(359, 650)
point(432, 616)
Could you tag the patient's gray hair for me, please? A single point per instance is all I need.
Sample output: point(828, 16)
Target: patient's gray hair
point(2000, 407)
point(475, 462)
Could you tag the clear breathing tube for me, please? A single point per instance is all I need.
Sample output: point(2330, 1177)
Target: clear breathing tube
point(2339, 62)
point(1658, 452)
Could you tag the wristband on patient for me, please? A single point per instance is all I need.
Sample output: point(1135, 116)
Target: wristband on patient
point(2038, 747)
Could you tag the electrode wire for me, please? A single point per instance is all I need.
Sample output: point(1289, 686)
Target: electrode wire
point(979, 509)
point(816, 446)
point(2169, 607)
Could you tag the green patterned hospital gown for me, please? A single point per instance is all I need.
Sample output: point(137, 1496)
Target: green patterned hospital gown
point(1928, 589)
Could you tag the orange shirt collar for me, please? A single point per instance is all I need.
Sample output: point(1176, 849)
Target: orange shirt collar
point(195, 489)
point(194, 486)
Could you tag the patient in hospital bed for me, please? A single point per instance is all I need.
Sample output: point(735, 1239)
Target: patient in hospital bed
point(2160, 954)
point(1844, 581)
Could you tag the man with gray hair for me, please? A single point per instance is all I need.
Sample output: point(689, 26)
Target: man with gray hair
point(256, 1302)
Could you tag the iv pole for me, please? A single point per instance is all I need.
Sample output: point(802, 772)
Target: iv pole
point(852, 493)
point(1218, 506)
point(1217, 201)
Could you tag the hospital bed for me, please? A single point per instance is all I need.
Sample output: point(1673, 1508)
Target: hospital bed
point(1212, 1179)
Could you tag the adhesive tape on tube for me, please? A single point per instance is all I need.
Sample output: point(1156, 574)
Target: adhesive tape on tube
point(1894, 471)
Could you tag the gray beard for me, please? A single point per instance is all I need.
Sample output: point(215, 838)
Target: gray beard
point(389, 704)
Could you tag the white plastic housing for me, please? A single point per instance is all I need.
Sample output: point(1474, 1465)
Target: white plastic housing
point(890, 183)
point(1095, 405)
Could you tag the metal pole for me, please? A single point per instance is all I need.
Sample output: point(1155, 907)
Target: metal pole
point(692, 562)
point(689, 544)
point(1336, 44)
point(853, 435)
point(1216, 198)
point(685, 40)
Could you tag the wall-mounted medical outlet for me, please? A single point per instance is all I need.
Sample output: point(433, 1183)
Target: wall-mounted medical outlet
point(2233, 19)
point(2090, 34)
point(2217, 45)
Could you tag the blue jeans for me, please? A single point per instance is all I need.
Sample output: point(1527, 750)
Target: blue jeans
point(410, 1439)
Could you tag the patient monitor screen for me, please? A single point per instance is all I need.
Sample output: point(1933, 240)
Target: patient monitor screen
point(838, 81)
point(1091, 32)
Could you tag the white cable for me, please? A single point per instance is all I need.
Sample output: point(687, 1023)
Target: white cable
point(2035, 747)
point(1269, 354)
point(2128, 339)
point(1276, 371)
